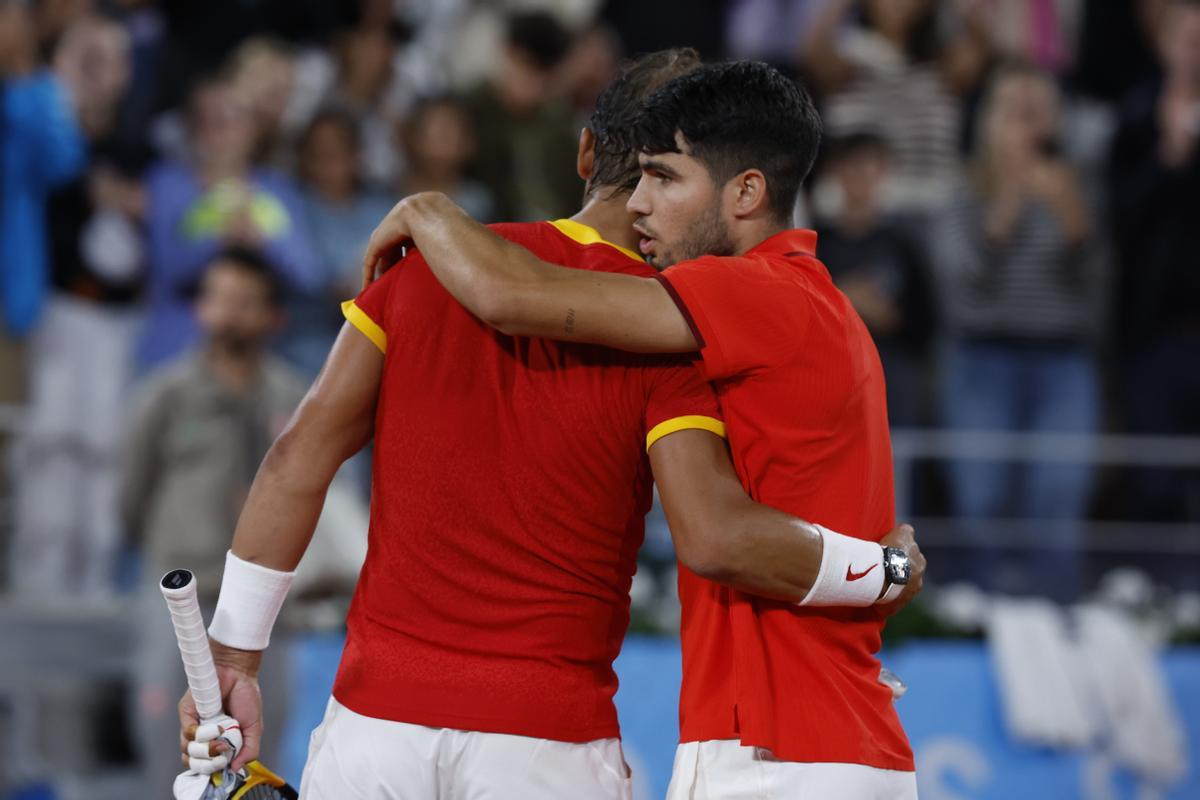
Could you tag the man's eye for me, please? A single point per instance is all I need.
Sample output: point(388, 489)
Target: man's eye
point(664, 179)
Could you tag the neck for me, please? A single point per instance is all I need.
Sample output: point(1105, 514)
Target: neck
point(609, 217)
point(234, 370)
point(751, 233)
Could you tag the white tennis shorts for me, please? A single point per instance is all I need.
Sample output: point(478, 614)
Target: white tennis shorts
point(728, 770)
point(352, 757)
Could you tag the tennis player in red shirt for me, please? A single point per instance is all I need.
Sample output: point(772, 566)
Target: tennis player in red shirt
point(511, 479)
point(779, 699)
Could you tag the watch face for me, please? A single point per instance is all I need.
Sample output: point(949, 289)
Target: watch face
point(895, 562)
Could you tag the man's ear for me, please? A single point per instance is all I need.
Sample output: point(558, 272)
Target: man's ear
point(749, 194)
point(585, 160)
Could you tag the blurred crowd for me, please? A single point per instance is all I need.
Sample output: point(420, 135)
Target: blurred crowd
point(1009, 194)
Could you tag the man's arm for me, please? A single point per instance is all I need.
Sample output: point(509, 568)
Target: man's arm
point(334, 421)
point(723, 535)
point(519, 294)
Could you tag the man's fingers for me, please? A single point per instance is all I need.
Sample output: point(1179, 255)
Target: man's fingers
point(187, 710)
point(211, 731)
point(207, 766)
point(206, 749)
point(202, 749)
point(368, 269)
point(249, 751)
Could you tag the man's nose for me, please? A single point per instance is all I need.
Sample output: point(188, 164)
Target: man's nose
point(637, 202)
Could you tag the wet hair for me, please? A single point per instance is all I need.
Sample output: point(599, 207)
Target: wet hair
point(251, 262)
point(735, 116)
point(617, 107)
point(539, 35)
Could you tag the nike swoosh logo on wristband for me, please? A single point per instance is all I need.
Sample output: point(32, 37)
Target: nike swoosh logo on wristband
point(851, 575)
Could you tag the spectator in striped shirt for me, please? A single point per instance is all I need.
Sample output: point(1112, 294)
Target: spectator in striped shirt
point(889, 66)
point(1020, 280)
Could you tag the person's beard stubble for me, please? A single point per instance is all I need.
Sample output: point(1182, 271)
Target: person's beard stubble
point(707, 235)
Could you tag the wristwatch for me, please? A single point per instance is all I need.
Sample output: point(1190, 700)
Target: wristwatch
point(896, 568)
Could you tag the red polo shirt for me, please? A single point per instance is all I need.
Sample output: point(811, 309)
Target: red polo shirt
point(802, 390)
point(510, 485)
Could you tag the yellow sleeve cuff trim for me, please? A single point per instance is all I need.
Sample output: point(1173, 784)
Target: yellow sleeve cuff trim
point(359, 319)
point(694, 422)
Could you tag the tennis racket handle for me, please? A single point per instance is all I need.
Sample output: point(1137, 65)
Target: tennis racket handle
point(179, 588)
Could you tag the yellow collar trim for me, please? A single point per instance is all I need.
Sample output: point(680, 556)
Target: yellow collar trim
point(588, 235)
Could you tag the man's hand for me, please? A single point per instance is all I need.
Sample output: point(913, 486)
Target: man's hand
point(387, 241)
point(903, 538)
point(237, 673)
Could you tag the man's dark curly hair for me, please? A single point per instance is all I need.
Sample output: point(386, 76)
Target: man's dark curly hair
point(616, 164)
point(735, 116)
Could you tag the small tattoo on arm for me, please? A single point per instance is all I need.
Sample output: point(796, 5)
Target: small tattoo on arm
point(569, 326)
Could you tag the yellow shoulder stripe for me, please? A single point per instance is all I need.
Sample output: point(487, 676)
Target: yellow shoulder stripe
point(359, 319)
point(692, 422)
point(587, 235)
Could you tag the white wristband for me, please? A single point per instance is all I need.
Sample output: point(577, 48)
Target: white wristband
point(851, 572)
point(250, 599)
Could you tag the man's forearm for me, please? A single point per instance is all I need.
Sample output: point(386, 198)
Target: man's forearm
point(284, 504)
point(478, 268)
point(765, 552)
point(514, 291)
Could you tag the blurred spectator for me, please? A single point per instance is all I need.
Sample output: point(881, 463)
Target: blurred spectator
point(41, 147)
point(340, 215)
point(79, 354)
point(1019, 268)
point(526, 136)
point(365, 86)
point(1042, 32)
point(216, 199)
point(55, 17)
point(144, 23)
point(590, 65)
point(201, 34)
point(198, 432)
point(1155, 189)
point(878, 266)
point(769, 30)
point(391, 55)
point(439, 144)
point(262, 75)
point(892, 71)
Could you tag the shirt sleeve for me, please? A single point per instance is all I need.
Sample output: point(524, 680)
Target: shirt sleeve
point(369, 311)
point(743, 318)
point(678, 399)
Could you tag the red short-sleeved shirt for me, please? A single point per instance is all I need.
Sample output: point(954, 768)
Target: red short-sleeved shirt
point(510, 486)
point(802, 391)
